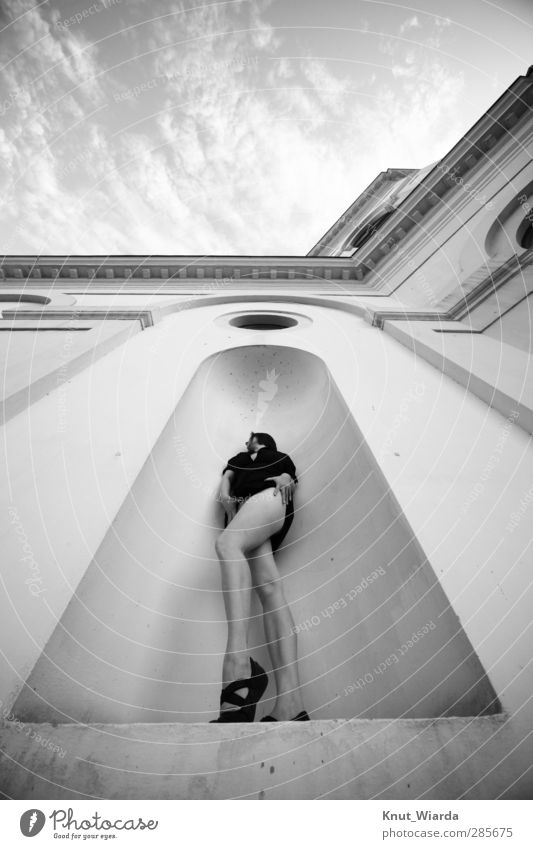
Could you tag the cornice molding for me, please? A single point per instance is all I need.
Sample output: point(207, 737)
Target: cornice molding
point(476, 289)
point(155, 314)
point(484, 282)
point(377, 318)
point(176, 268)
point(81, 314)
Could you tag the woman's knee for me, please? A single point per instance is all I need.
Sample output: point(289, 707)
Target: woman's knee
point(227, 546)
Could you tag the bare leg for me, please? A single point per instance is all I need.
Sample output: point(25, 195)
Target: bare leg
point(258, 518)
point(236, 590)
point(279, 631)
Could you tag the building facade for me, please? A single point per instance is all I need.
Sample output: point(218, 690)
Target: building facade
point(393, 363)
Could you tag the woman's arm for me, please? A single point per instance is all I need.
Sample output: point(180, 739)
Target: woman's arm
point(225, 484)
point(228, 502)
point(289, 468)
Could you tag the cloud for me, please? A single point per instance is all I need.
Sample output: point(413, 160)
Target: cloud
point(330, 90)
point(195, 132)
point(411, 23)
point(403, 70)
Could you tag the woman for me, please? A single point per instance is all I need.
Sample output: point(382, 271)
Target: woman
point(256, 492)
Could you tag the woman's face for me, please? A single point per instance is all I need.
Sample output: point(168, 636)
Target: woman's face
point(252, 444)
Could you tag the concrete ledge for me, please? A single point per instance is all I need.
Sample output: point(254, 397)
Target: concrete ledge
point(444, 758)
point(32, 379)
point(497, 373)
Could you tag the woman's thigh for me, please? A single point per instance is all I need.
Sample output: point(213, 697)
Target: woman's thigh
point(258, 518)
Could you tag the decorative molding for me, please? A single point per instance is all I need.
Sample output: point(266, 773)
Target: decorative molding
point(475, 289)
point(157, 313)
point(178, 268)
point(377, 318)
point(485, 280)
point(144, 316)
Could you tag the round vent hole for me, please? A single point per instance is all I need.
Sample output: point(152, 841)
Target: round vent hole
point(263, 321)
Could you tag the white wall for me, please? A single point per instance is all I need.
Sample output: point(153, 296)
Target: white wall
point(433, 444)
point(516, 326)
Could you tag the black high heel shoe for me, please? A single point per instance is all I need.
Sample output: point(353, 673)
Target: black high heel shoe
point(303, 716)
point(257, 684)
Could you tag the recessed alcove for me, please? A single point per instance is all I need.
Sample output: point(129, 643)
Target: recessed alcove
point(143, 636)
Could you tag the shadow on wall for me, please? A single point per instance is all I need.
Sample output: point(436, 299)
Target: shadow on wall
point(142, 640)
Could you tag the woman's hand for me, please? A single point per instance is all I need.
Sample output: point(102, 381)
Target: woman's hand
point(230, 506)
point(285, 485)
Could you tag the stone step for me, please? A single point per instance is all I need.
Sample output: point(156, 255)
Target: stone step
point(444, 758)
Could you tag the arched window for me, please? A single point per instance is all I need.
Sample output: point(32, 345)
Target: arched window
point(524, 236)
point(358, 239)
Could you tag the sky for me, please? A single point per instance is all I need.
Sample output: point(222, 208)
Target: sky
point(244, 127)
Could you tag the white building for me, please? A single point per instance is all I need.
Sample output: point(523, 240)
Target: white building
point(393, 363)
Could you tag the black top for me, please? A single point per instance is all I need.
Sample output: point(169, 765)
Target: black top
point(249, 478)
